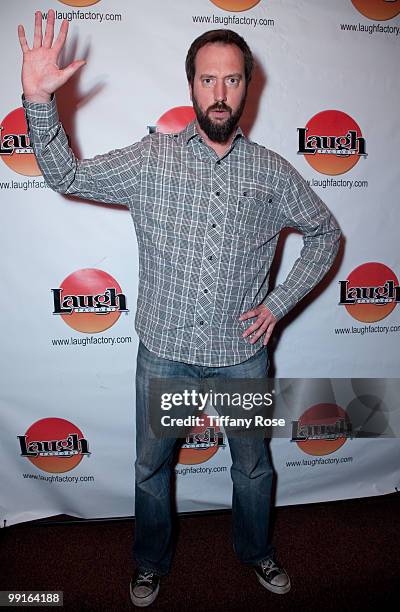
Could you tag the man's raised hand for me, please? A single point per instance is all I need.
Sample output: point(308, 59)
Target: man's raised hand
point(41, 75)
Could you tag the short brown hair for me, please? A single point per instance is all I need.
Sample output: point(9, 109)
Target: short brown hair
point(226, 37)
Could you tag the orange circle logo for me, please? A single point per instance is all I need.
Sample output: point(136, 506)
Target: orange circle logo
point(370, 292)
point(79, 2)
point(235, 5)
point(381, 10)
point(54, 445)
point(15, 149)
point(175, 120)
point(322, 429)
point(89, 301)
point(331, 142)
point(202, 442)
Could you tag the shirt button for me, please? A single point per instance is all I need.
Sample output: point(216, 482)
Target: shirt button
point(218, 162)
point(217, 193)
point(270, 200)
point(210, 257)
point(201, 322)
point(214, 225)
point(205, 290)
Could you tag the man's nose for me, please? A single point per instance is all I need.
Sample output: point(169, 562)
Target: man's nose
point(220, 91)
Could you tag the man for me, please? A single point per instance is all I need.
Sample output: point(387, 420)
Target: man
point(208, 205)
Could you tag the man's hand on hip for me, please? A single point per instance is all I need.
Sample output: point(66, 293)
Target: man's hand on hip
point(264, 324)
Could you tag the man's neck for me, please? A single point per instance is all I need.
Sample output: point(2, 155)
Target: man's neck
point(219, 147)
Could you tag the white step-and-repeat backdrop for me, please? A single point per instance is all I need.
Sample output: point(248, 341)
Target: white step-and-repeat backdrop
point(326, 97)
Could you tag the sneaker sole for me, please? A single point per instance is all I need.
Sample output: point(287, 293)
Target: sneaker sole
point(274, 589)
point(142, 602)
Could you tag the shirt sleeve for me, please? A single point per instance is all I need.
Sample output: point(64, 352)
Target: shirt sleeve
point(111, 178)
point(306, 212)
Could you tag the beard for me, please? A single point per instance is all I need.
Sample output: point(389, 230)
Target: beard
point(218, 132)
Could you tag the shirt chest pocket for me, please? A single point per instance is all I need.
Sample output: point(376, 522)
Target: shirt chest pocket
point(166, 226)
point(248, 211)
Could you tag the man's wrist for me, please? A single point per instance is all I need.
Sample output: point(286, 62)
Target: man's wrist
point(40, 117)
point(38, 98)
point(275, 306)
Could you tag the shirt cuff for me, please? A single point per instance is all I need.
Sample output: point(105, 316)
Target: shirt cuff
point(41, 116)
point(277, 302)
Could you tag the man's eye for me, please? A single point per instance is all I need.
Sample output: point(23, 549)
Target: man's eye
point(207, 81)
point(233, 81)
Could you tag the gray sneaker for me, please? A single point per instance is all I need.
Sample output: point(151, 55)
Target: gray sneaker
point(272, 576)
point(144, 587)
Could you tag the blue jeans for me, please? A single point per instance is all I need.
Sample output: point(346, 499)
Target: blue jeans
point(251, 471)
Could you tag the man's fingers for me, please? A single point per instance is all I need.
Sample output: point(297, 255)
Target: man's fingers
point(49, 34)
point(37, 37)
point(62, 35)
point(266, 328)
point(259, 321)
point(250, 314)
point(264, 324)
point(22, 39)
point(268, 333)
point(260, 332)
point(70, 70)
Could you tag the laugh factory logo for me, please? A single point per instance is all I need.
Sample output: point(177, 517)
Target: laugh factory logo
point(322, 429)
point(173, 120)
point(379, 10)
point(235, 5)
point(54, 445)
point(15, 149)
point(331, 142)
point(370, 293)
point(89, 300)
point(79, 2)
point(201, 443)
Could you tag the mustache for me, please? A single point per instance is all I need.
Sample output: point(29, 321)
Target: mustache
point(219, 106)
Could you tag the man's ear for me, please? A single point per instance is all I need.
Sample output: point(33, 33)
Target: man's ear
point(191, 92)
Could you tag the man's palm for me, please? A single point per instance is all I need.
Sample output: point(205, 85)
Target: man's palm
point(41, 75)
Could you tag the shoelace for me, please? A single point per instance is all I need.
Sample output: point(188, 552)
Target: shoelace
point(269, 565)
point(145, 577)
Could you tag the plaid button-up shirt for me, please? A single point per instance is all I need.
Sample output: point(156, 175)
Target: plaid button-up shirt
point(207, 229)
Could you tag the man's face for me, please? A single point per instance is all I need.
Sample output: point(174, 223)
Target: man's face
point(219, 90)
